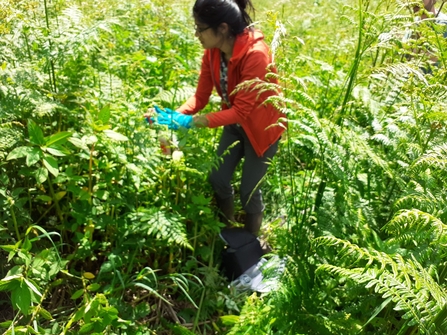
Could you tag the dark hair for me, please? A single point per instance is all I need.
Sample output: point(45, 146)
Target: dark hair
point(232, 12)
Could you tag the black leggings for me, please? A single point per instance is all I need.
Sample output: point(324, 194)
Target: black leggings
point(253, 170)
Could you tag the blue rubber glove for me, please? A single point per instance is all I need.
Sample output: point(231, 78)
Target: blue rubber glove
point(173, 119)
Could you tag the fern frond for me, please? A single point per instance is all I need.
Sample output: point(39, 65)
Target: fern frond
point(72, 16)
point(279, 101)
point(164, 226)
point(258, 85)
point(382, 138)
point(346, 248)
point(358, 146)
point(411, 150)
point(435, 160)
point(415, 293)
point(10, 135)
point(437, 91)
point(423, 200)
point(413, 225)
point(397, 17)
point(110, 86)
point(393, 78)
point(175, 96)
point(46, 108)
point(302, 97)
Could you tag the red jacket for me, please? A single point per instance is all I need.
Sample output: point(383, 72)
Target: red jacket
point(250, 59)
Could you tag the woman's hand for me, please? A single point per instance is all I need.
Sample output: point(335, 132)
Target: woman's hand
point(175, 120)
point(200, 121)
point(171, 118)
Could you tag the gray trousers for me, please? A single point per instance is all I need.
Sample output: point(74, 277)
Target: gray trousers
point(253, 170)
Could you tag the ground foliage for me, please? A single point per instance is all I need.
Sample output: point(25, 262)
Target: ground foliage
point(101, 233)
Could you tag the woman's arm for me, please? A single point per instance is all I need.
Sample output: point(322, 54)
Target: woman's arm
point(204, 88)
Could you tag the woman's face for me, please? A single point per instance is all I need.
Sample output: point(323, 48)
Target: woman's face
point(207, 37)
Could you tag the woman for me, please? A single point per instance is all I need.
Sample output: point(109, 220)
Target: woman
point(430, 15)
point(234, 53)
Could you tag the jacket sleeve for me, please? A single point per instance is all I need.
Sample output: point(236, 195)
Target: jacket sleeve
point(204, 88)
point(246, 100)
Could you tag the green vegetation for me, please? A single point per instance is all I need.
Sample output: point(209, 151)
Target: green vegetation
point(101, 233)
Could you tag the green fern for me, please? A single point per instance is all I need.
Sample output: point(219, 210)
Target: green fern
point(164, 226)
point(423, 199)
point(415, 293)
point(435, 160)
point(417, 222)
point(175, 96)
point(10, 134)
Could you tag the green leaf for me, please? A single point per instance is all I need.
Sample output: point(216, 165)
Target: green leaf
point(26, 244)
point(11, 255)
point(180, 330)
point(378, 310)
point(115, 136)
point(77, 142)
point(30, 330)
point(104, 115)
point(41, 175)
point(5, 324)
point(57, 282)
point(4, 179)
point(21, 298)
point(92, 310)
point(9, 248)
point(101, 298)
point(19, 152)
point(25, 256)
point(10, 283)
point(17, 330)
point(58, 138)
point(32, 287)
point(77, 294)
point(230, 320)
point(109, 314)
point(45, 314)
point(44, 198)
point(33, 156)
point(89, 140)
point(59, 195)
point(79, 314)
point(94, 287)
point(35, 133)
point(51, 164)
point(58, 151)
point(16, 270)
point(101, 194)
point(55, 267)
point(200, 200)
point(87, 328)
point(88, 275)
point(106, 267)
point(101, 128)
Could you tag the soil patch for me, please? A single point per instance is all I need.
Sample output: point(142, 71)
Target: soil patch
point(6, 311)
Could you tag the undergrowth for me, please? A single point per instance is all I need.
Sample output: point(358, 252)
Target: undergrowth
point(102, 233)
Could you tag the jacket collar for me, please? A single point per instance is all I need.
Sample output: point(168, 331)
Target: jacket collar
point(244, 41)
